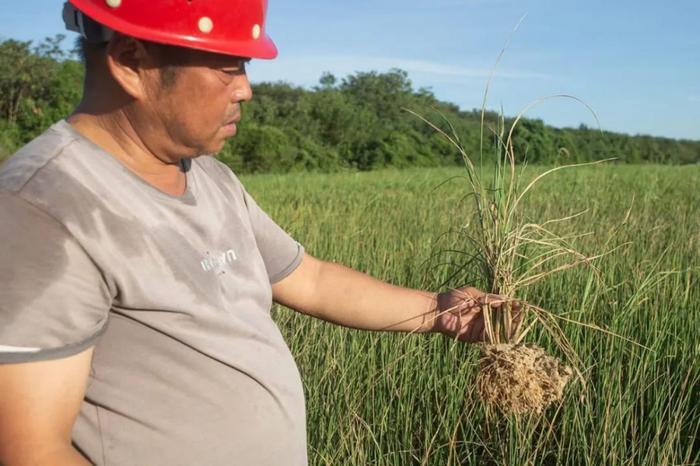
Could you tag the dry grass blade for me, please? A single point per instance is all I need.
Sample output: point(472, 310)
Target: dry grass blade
point(553, 170)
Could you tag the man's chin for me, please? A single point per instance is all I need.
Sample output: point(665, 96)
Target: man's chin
point(217, 148)
point(230, 130)
point(216, 143)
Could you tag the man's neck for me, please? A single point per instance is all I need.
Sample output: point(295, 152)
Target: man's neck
point(116, 136)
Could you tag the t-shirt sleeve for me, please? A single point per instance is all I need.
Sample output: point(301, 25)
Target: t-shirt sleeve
point(54, 301)
point(280, 252)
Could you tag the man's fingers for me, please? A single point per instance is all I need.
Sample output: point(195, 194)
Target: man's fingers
point(471, 332)
point(466, 305)
point(477, 331)
point(495, 300)
point(466, 318)
point(518, 312)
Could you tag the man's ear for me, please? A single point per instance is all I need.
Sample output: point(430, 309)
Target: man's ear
point(129, 63)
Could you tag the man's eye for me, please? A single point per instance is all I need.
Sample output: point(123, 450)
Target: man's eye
point(234, 71)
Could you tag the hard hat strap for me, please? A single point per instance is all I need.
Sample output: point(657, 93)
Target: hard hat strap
point(91, 30)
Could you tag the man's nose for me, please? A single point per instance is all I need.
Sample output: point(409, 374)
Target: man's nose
point(242, 92)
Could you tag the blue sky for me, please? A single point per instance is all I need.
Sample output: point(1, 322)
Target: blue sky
point(636, 63)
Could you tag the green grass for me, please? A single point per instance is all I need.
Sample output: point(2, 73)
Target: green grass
point(388, 399)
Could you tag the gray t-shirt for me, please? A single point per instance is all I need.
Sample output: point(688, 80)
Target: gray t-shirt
point(174, 293)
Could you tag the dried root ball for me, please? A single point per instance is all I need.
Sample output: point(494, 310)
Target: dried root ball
point(520, 379)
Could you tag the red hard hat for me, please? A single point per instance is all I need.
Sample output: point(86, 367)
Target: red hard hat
point(231, 27)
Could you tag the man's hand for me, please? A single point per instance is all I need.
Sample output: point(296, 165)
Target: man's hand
point(460, 313)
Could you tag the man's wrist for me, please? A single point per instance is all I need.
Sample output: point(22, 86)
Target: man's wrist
point(430, 319)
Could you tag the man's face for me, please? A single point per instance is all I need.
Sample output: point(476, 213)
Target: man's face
point(196, 97)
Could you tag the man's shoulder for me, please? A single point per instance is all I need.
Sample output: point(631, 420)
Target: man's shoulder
point(221, 173)
point(18, 170)
point(57, 173)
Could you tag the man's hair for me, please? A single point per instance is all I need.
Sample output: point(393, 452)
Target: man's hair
point(91, 53)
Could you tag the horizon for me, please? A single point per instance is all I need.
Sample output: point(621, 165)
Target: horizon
point(631, 62)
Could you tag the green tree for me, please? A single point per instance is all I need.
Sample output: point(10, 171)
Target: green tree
point(355, 122)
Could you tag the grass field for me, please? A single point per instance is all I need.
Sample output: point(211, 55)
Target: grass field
point(392, 399)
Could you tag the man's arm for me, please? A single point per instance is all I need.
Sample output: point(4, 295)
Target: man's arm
point(338, 294)
point(39, 402)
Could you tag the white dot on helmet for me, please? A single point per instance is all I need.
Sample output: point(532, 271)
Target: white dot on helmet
point(205, 24)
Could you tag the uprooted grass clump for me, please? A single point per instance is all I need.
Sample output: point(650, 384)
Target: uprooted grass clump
point(512, 253)
point(520, 378)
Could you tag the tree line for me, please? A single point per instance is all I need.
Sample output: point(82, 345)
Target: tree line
point(361, 121)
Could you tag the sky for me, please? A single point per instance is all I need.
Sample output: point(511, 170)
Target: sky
point(636, 64)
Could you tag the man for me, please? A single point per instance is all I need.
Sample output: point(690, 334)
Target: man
point(138, 274)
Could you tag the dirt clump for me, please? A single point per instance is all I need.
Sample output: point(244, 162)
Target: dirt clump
point(520, 378)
